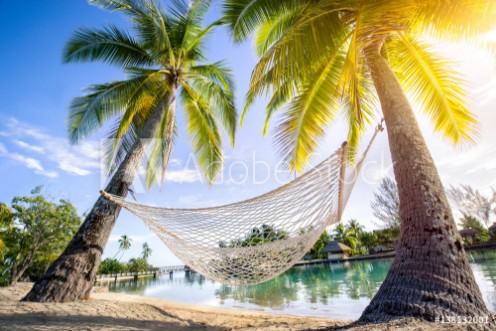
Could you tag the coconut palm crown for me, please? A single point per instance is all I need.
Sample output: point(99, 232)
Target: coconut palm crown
point(313, 63)
point(163, 57)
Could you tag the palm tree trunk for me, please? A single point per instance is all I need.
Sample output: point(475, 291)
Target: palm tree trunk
point(430, 276)
point(72, 275)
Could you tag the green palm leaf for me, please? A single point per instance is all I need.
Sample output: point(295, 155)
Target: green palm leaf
point(110, 45)
point(434, 84)
point(307, 116)
point(203, 131)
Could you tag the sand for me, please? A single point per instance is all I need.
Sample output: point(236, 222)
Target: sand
point(112, 311)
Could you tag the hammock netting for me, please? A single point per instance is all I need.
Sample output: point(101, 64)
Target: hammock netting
point(253, 241)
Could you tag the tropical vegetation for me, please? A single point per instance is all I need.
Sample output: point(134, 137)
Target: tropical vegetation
point(257, 236)
point(164, 60)
point(110, 266)
point(33, 231)
point(323, 58)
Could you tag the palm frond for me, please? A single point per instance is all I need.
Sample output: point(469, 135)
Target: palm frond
point(299, 51)
point(186, 18)
point(245, 16)
point(150, 23)
point(215, 87)
point(280, 97)
point(145, 96)
point(115, 149)
point(161, 147)
point(440, 91)
point(204, 133)
point(307, 116)
point(462, 20)
point(368, 108)
point(90, 112)
point(110, 45)
point(217, 72)
point(271, 31)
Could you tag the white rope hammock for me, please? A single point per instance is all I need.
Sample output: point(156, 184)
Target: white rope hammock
point(253, 241)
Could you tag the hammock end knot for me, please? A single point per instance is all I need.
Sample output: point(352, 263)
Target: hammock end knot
point(106, 195)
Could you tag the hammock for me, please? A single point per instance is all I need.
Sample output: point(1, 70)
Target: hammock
point(253, 241)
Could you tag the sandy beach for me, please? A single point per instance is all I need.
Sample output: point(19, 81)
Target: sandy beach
point(110, 311)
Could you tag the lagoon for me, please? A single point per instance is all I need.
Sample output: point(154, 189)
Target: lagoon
point(331, 290)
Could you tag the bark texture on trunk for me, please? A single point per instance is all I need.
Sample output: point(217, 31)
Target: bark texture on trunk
point(72, 275)
point(430, 275)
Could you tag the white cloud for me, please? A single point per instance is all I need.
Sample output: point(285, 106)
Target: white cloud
point(176, 162)
point(80, 160)
point(3, 149)
point(183, 176)
point(27, 146)
point(72, 169)
point(31, 163)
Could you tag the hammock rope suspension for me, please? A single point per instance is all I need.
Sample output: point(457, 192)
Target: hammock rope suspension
point(255, 240)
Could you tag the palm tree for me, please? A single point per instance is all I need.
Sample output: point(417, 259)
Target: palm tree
point(369, 240)
point(147, 251)
point(340, 232)
point(124, 245)
point(355, 230)
point(346, 235)
point(320, 57)
point(163, 60)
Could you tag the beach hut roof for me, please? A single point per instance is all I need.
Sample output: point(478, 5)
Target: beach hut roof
point(335, 247)
point(468, 232)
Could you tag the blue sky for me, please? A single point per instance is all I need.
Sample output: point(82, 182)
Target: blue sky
point(36, 88)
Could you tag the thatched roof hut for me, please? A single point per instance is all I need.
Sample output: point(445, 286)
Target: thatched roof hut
point(335, 247)
point(468, 232)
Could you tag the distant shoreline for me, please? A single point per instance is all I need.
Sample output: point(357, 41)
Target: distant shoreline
point(391, 254)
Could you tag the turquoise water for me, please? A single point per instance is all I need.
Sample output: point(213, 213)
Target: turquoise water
point(329, 290)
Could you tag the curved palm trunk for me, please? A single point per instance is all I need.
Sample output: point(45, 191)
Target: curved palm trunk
point(73, 274)
point(430, 275)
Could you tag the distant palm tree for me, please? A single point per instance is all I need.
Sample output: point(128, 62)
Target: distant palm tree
point(355, 227)
point(164, 60)
point(147, 251)
point(324, 58)
point(346, 235)
point(124, 245)
point(355, 231)
point(340, 232)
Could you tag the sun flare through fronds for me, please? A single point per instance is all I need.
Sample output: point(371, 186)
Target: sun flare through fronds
point(313, 63)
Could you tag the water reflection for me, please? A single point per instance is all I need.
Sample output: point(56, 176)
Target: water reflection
point(331, 290)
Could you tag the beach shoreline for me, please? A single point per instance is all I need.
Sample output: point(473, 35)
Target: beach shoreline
point(115, 311)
